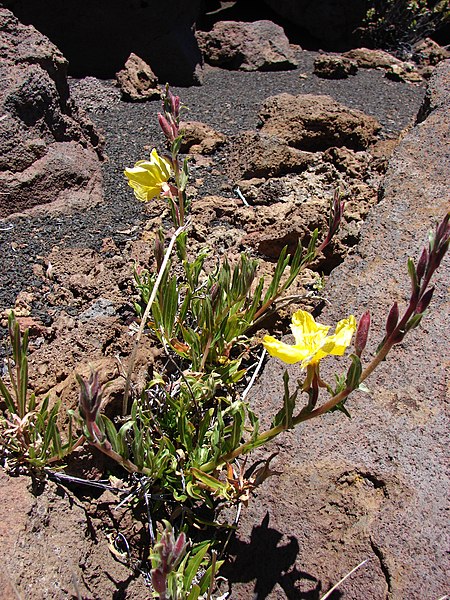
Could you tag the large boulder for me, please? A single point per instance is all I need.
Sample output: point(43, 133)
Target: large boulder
point(311, 122)
point(256, 46)
point(49, 150)
point(370, 487)
point(98, 37)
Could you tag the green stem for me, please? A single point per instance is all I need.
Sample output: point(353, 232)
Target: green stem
point(268, 435)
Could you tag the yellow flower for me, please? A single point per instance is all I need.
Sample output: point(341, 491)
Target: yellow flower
point(148, 178)
point(311, 340)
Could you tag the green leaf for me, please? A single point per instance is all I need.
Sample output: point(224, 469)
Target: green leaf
point(169, 306)
point(354, 372)
point(285, 414)
point(193, 566)
point(413, 274)
point(111, 433)
point(10, 404)
point(210, 482)
point(414, 322)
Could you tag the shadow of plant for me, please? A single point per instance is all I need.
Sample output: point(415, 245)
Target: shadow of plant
point(268, 563)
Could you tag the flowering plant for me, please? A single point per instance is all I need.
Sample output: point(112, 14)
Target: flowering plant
point(184, 435)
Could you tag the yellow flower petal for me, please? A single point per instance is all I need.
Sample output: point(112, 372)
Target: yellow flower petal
point(337, 343)
point(148, 177)
point(312, 343)
point(285, 352)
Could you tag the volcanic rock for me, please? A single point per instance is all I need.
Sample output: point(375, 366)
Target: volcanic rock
point(49, 149)
point(137, 80)
point(311, 122)
point(334, 67)
point(257, 46)
point(200, 138)
point(260, 154)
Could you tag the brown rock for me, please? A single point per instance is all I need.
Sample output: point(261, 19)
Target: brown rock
point(57, 526)
point(137, 80)
point(49, 149)
point(260, 154)
point(427, 52)
point(436, 97)
point(311, 122)
point(404, 72)
point(199, 138)
point(334, 67)
point(256, 46)
point(371, 59)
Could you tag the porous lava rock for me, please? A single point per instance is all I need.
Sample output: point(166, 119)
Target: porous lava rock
point(65, 542)
point(367, 58)
point(255, 46)
point(200, 138)
point(429, 53)
point(137, 80)
point(311, 122)
point(334, 67)
point(260, 154)
point(49, 149)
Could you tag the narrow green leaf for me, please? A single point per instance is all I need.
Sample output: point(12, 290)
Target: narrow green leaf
point(111, 433)
point(10, 404)
point(414, 322)
point(193, 566)
point(354, 372)
point(210, 481)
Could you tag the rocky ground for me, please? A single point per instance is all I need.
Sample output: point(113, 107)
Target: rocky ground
point(371, 487)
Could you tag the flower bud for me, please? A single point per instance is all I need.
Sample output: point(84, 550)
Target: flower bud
point(175, 104)
point(179, 548)
point(392, 320)
point(214, 292)
point(362, 333)
point(425, 301)
point(158, 581)
point(165, 126)
point(422, 264)
point(159, 252)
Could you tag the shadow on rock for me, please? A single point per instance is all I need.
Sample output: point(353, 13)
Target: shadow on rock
point(268, 563)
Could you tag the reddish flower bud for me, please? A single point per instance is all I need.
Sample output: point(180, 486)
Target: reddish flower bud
point(158, 581)
point(214, 292)
point(422, 264)
point(392, 320)
point(159, 252)
point(175, 104)
point(424, 301)
point(362, 333)
point(165, 126)
point(179, 548)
